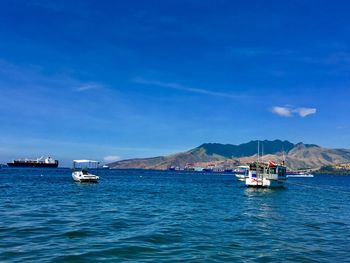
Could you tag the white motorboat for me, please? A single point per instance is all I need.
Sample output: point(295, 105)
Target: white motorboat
point(81, 171)
point(299, 174)
point(241, 172)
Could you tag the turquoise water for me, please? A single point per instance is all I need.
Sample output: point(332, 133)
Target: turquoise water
point(150, 216)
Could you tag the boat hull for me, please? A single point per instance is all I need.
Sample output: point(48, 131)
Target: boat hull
point(78, 176)
point(33, 165)
point(241, 177)
point(264, 183)
point(87, 181)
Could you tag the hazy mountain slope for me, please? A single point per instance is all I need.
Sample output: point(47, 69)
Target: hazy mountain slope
point(225, 155)
point(145, 163)
point(302, 156)
point(181, 159)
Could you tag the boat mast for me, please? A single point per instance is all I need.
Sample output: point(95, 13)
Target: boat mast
point(262, 156)
point(257, 164)
point(258, 149)
point(284, 157)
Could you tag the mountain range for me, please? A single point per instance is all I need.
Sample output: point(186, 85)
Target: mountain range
point(297, 156)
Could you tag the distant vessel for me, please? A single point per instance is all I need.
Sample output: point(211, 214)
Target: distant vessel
point(209, 168)
point(299, 174)
point(212, 169)
point(81, 171)
point(189, 167)
point(174, 168)
point(241, 172)
point(40, 162)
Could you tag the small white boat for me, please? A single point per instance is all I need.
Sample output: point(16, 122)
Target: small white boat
point(300, 174)
point(81, 171)
point(241, 172)
point(266, 175)
point(104, 167)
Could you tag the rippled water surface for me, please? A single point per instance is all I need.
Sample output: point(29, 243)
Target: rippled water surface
point(170, 217)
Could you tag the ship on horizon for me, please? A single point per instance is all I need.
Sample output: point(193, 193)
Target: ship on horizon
point(37, 163)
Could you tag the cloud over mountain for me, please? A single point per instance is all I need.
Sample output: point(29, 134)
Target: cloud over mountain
point(111, 158)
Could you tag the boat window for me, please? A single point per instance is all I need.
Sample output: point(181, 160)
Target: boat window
point(281, 171)
point(252, 167)
point(273, 170)
point(261, 170)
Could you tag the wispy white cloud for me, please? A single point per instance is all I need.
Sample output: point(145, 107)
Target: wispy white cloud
point(289, 111)
point(282, 111)
point(303, 112)
point(111, 158)
point(170, 85)
point(89, 86)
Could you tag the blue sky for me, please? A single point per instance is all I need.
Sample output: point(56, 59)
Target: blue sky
point(123, 79)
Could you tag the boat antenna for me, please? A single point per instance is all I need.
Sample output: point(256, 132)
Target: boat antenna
point(284, 157)
point(258, 149)
point(262, 151)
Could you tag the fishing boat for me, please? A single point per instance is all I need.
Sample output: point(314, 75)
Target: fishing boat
point(266, 175)
point(241, 172)
point(81, 171)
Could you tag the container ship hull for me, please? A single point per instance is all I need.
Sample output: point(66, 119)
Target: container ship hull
point(33, 164)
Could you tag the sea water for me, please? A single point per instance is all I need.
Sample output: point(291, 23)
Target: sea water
point(153, 216)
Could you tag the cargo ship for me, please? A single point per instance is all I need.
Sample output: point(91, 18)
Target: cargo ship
point(38, 163)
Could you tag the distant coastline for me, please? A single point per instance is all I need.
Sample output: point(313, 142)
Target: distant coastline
point(333, 170)
point(299, 156)
point(327, 170)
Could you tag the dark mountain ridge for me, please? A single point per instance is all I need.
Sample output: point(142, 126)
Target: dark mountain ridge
point(246, 149)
